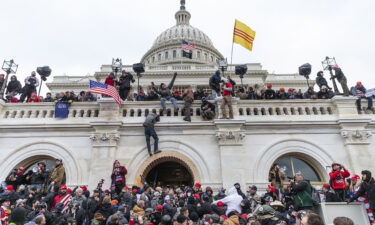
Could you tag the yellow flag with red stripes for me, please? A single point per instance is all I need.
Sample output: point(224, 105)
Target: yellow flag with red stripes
point(243, 35)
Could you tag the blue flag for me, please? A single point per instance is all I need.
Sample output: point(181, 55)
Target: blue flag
point(62, 110)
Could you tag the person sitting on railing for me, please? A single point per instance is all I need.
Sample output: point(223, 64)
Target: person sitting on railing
point(325, 93)
point(281, 94)
point(310, 94)
point(269, 93)
point(241, 94)
point(360, 92)
point(10, 99)
point(165, 93)
point(251, 94)
point(208, 109)
point(14, 86)
point(152, 96)
point(141, 97)
point(34, 98)
point(31, 82)
point(48, 98)
point(177, 95)
point(89, 97)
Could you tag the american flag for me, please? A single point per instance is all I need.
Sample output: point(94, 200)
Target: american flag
point(99, 88)
point(186, 46)
point(65, 201)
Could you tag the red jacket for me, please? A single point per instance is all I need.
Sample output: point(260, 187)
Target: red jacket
point(120, 177)
point(227, 85)
point(57, 199)
point(109, 81)
point(338, 179)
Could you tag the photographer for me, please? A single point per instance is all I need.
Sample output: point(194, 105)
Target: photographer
point(125, 84)
point(214, 84)
point(31, 82)
point(302, 193)
point(337, 180)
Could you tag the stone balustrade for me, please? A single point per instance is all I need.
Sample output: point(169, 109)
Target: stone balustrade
point(136, 111)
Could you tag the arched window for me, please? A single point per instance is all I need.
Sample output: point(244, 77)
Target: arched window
point(174, 54)
point(198, 54)
point(166, 55)
point(159, 57)
point(153, 59)
point(292, 165)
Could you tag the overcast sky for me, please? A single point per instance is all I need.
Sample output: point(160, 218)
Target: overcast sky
point(75, 37)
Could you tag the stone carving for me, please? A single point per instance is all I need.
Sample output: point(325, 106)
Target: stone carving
point(230, 137)
point(105, 138)
point(356, 136)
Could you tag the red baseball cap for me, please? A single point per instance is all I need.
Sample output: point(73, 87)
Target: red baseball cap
point(355, 177)
point(9, 188)
point(159, 208)
point(198, 185)
point(63, 187)
point(327, 186)
point(220, 203)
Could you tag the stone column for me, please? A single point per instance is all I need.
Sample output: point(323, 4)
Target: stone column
point(357, 140)
point(232, 153)
point(356, 136)
point(105, 140)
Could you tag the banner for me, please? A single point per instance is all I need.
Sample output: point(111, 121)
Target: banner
point(62, 110)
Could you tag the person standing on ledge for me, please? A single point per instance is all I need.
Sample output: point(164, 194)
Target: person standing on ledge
point(227, 99)
point(339, 75)
point(149, 126)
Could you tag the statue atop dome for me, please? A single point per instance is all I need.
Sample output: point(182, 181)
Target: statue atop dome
point(182, 5)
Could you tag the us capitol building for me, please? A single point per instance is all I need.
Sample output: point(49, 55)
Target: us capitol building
point(301, 135)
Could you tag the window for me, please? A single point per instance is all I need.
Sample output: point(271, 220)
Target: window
point(205, 56)
point(198, 54)
point(292, 165)
point(174, 54)
point(166, 55)
point(212, 58)
point(153, 59)
point(159, 57)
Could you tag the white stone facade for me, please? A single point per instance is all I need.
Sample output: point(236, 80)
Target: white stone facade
point(217, 153)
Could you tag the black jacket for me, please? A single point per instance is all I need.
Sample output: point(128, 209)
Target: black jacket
point(14, 86)
point(367, 188)
point(270, 94)
point(166, 92)
point(204, 209)
point(214, 82)
point(125, 81)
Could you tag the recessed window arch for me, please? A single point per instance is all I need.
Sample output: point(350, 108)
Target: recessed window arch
point(292, 164)
point(174, 54)
point(166, 55)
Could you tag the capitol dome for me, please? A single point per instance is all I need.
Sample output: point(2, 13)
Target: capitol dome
point(167, 46)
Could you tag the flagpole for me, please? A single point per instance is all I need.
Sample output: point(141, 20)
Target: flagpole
point(231, 54)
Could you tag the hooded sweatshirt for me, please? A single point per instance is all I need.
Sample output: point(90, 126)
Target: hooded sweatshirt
point(233, 201)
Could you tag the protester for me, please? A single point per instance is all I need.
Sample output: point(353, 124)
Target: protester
point(14, 86)
point(321, 81)
point(48, 98)
point(269, 93)
point(58, 172)
point(337, 180)
point(227, 99)
point(188, 98)
point(302, 192)
point(208, 109)
point(118, 177)
point(125, 81)
point(149, 126)
point(214, 84)
point(341, 78)
point(360, 92)
point(165, 93)
point(310, 94)
point(34, 98)
point(31, 82)
point(325, 93)
point(276, 176)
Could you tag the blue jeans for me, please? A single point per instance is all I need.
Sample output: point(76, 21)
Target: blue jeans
point(369, 100)
point(173, 100)
point(150, 132)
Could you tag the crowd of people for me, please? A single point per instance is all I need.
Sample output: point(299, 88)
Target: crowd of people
point(39, 196)
point(220, 87)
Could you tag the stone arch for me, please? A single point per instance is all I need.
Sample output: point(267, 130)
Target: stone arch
point(33, 151)
point(313, 154)
point(171, 151)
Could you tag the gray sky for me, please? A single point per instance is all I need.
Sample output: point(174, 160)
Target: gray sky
point(75, 37)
